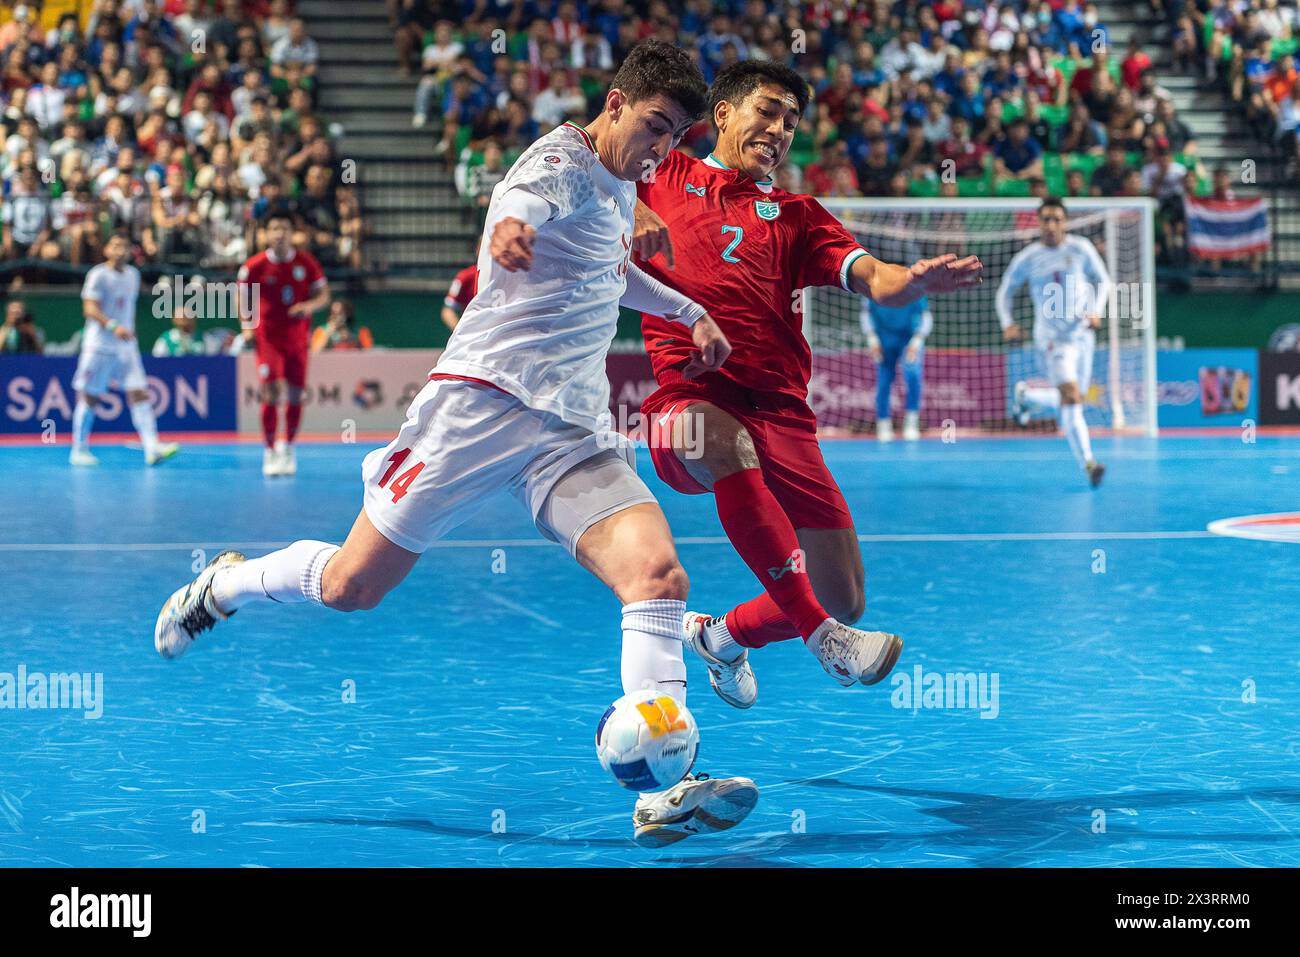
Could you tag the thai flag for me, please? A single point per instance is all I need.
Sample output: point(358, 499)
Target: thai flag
point(1226, 228)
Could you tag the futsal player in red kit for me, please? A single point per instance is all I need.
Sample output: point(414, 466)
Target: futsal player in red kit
point(719, 231)
point(281, 287)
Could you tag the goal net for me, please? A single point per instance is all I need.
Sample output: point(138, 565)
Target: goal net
point(970, 372)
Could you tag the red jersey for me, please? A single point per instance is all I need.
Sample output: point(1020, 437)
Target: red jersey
point(462, 289)
point(279, 284)
point(742, 251)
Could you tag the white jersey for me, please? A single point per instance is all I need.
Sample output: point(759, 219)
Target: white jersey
point(1066, 283)
point(541, 334)
point(116, 292)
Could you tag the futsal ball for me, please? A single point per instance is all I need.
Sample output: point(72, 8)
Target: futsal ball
point(647, 741)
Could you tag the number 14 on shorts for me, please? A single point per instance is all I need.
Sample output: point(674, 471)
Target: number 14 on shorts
point(403, 482)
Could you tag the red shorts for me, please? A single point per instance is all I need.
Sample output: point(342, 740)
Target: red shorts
point(784, 431)
point(283, 357)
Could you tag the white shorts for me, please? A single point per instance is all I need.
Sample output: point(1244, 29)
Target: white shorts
point(462, 441)
point(96, 369)
point(1069, 360)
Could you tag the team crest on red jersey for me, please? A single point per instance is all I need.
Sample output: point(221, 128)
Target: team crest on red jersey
point(767, 210)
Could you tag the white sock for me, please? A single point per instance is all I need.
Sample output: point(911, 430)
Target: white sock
point(1076, 432)
point(717, 638)
point(83, 418)
point(146, 426)
point(1043, 398)
point(652, 647)
point(290, 576)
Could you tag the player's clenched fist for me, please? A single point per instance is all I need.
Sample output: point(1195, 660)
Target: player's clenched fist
point(650, 235)
point(512, 244)
point(712, 345)
point(946, 273)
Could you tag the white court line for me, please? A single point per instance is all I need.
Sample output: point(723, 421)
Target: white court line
point(902, 538)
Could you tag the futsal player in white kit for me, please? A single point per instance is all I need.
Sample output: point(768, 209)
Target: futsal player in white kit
point(109, 353)
point(516, 402)
point(1068, 285)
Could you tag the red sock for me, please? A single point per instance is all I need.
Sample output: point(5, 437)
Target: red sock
point(270, 423)
point(292, 416)
point(759, 622)
point(765, 539)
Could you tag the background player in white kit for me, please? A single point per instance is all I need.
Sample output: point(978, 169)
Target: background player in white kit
point(516, 402)
point(109, 353)
point(1068, 286)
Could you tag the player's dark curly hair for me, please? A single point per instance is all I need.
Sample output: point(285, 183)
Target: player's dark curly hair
point(653, 67)
point(737, 81)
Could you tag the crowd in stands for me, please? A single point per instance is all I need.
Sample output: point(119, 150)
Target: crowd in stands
point(182, 121)
point(951, 98)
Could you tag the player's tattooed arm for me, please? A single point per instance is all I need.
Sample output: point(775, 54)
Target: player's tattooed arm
point(892, 285)
point(650, 235)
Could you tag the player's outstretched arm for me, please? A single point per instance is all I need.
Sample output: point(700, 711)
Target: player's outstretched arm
point(892, 285)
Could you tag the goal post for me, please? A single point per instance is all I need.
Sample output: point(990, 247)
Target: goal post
point(970, 372)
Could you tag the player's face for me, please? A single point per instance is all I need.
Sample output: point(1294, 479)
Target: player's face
point(1051, 222)
point(115, 251)
point(277, 234)
point(755, 135)
point(643, 133)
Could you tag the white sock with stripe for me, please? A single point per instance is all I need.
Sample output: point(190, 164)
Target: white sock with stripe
point(652, 647)
point(83, 418)
point(1076, 433)
point(290, 576)
point(146, 426)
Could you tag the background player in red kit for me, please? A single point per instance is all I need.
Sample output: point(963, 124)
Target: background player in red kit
point(289, 286)
point(459, 295)
point(745, 250)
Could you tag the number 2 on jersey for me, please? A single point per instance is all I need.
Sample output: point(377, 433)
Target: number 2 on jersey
point(403, 481)
point(740, 234)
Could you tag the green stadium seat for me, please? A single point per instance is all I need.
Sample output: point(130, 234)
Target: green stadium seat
point(972, 186)
point(1011, 188)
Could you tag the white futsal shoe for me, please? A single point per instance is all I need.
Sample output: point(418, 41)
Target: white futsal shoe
point(270, 462)
point(911, 427)
point(698, 804)
point(885, 430)
point(162, 453)
point(733, 681)
point(82, 459)
point(852, 656)
point(191, 610)
point(288, 460)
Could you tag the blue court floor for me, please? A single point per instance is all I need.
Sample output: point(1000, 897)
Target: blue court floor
point(1144, 711)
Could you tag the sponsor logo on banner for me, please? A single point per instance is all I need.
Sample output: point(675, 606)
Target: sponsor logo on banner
point(368, 390)
point(1207, 387)
point(189, 393)
point(1279, 388)
point(1224, 391)
point(1278, 527)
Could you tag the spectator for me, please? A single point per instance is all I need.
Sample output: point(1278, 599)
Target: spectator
point(1108, 179)
point(1017, 156)
point(339, 331)
point(19, 332)
point(295, 49)
point(180, 339)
